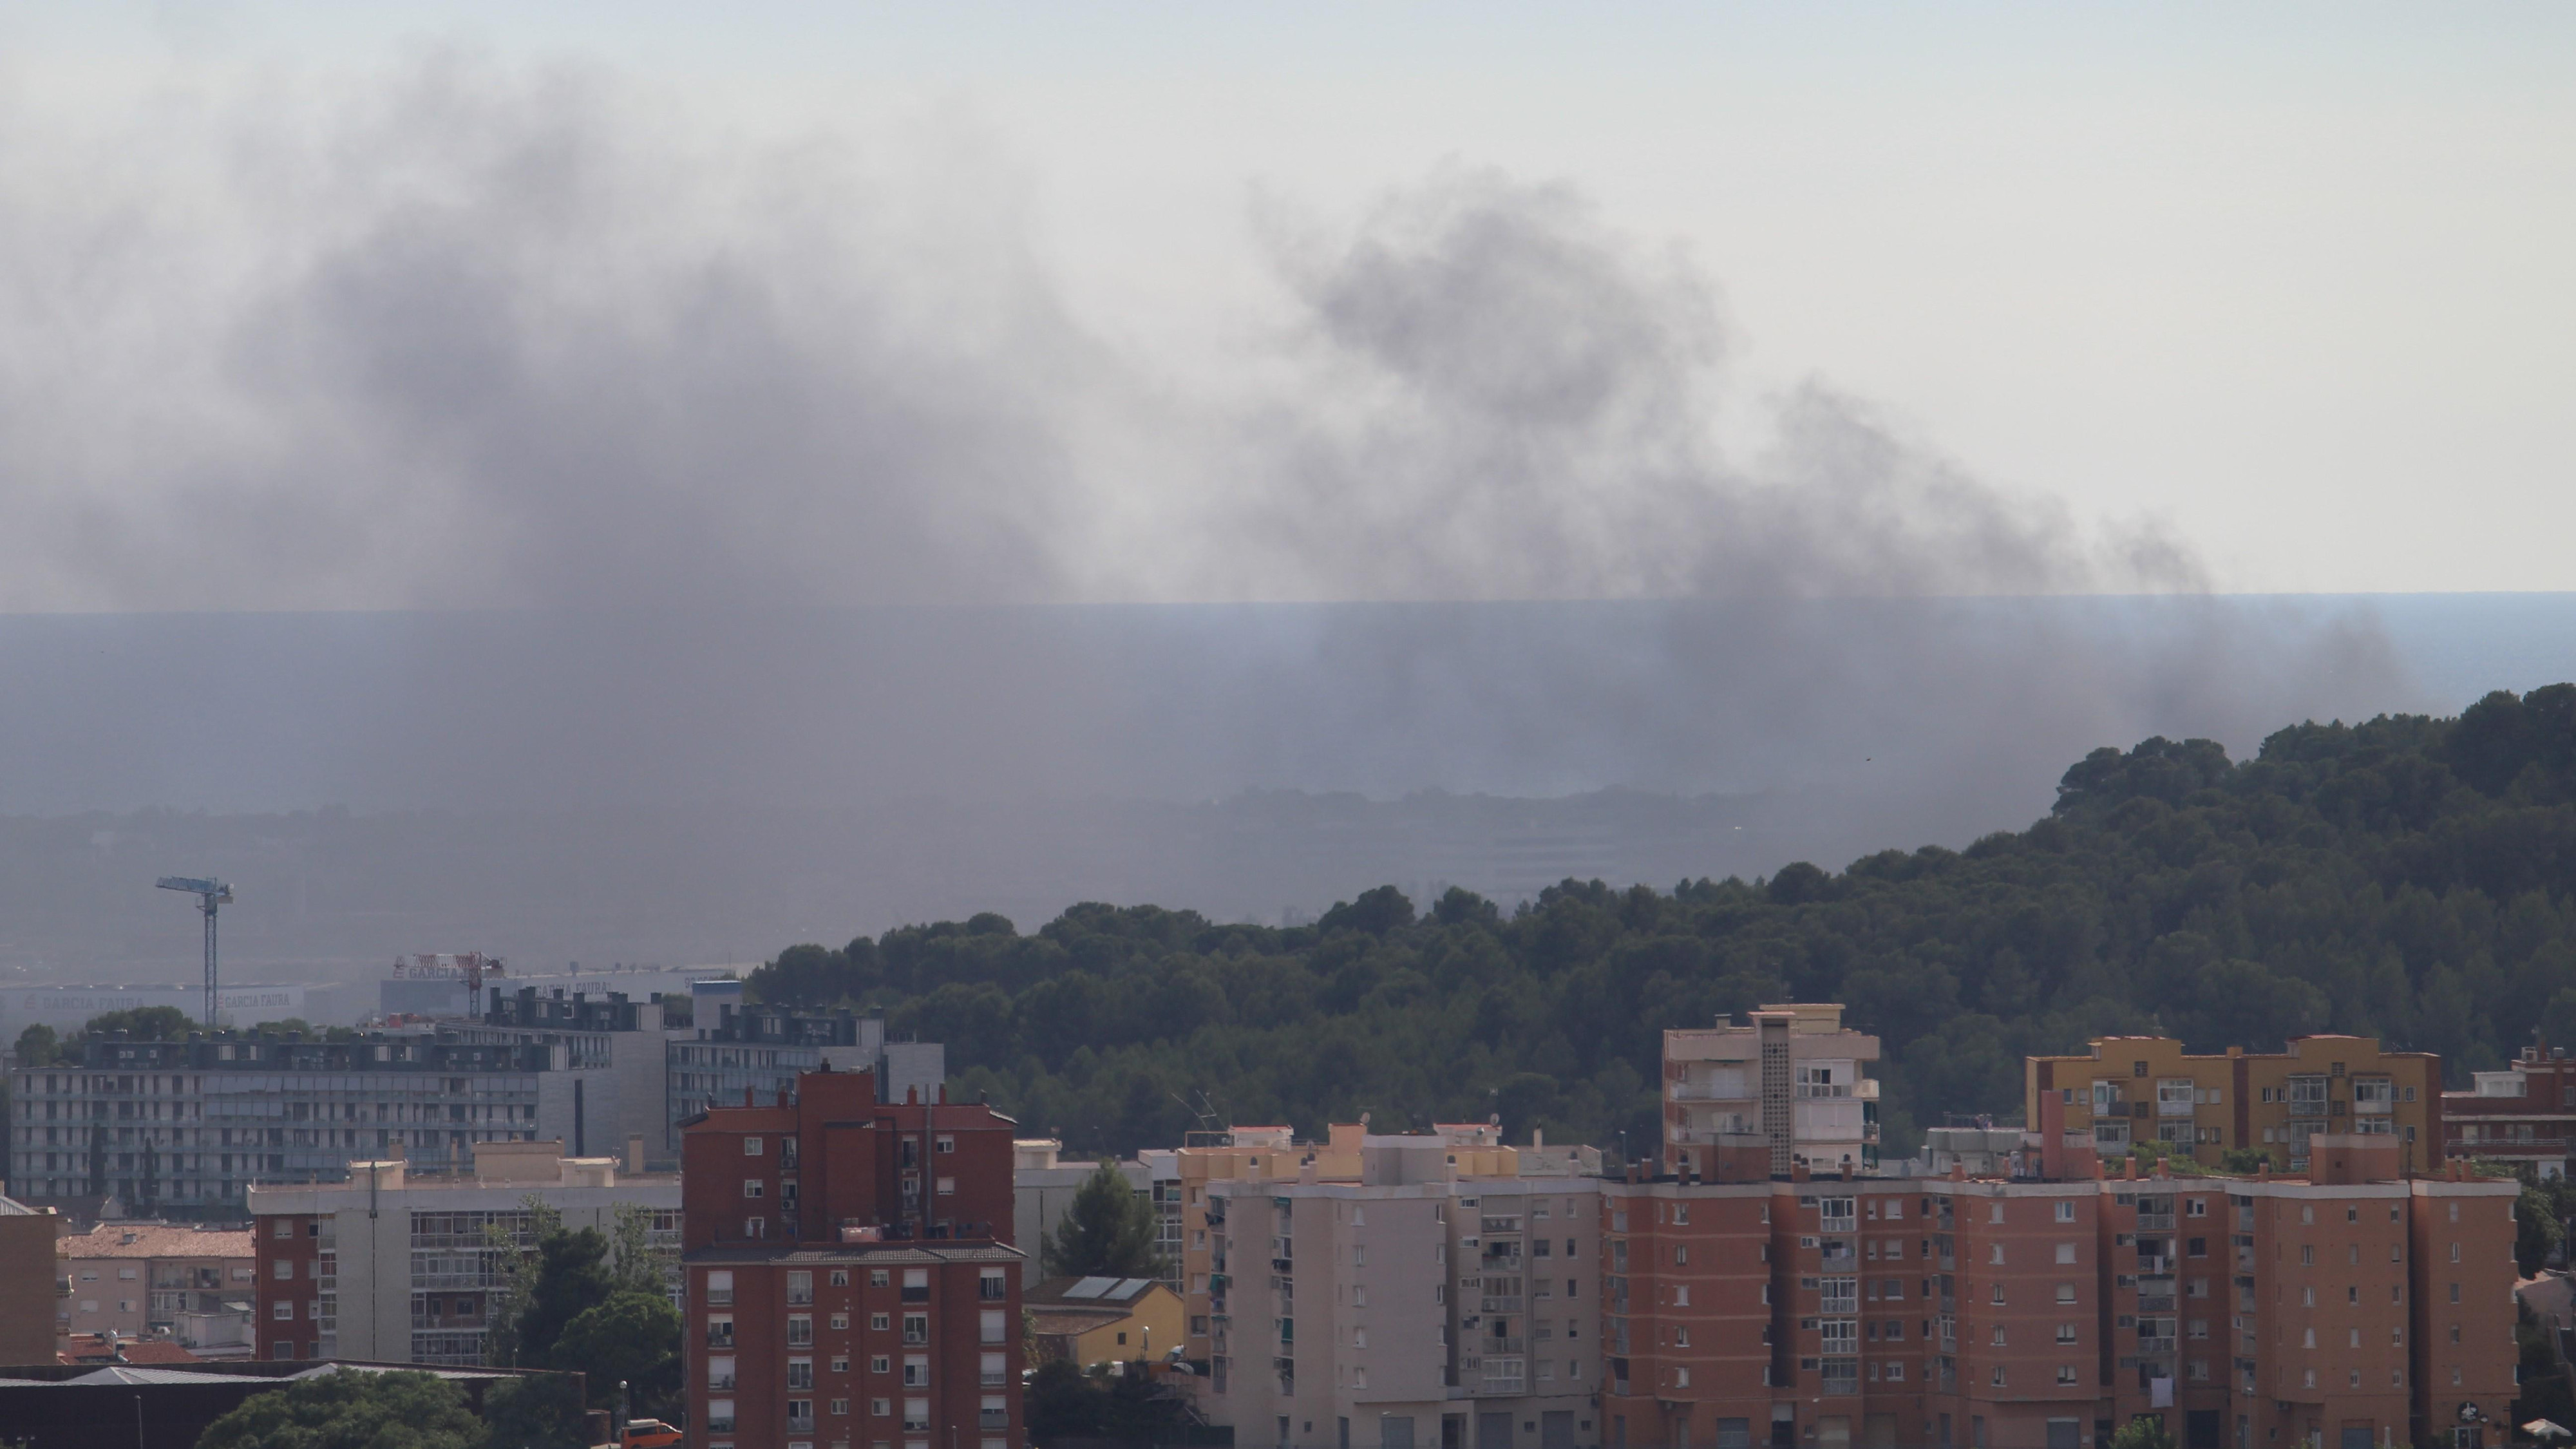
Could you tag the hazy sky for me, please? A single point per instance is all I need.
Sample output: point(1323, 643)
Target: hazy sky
point(2293, 285)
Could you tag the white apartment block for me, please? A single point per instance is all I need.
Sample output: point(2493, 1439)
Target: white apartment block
point(1790, 1079)
point(1412, 1307)
point(404, 1270)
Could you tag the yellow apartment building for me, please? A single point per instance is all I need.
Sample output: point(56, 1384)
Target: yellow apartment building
point(2128, 1089)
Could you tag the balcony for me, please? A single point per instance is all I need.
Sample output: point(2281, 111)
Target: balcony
point(991, 1420)
point(2155, 1222)
point(1506, 1346)
point(994, 1378)
point(2153, 1347)
point(719, 1335)
point(1517, 1384)
point(1501, 1303)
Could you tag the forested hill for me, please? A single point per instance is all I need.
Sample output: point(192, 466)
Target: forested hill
point(2408, 878)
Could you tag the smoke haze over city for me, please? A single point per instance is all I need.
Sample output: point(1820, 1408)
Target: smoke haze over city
point(531, 440)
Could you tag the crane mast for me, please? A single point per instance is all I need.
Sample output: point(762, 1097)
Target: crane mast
point(211, 894)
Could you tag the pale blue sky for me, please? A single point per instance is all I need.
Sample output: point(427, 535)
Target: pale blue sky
point(2300, 280)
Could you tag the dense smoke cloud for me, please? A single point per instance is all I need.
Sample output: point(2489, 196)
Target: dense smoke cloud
point(1505, 399)
point(482, 337)
point(711, 420)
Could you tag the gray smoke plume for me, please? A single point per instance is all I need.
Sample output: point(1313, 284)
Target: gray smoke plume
point(795, 482)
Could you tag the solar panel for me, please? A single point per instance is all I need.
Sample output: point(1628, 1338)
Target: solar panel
point(1091, 1287)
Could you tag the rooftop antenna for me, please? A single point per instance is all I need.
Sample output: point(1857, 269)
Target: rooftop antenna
point(210, 894)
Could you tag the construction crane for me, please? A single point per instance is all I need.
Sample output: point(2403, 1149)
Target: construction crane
point(210, 894)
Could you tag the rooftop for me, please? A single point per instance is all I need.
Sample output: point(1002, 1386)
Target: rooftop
point(1108, 1294)
point(156, 1240)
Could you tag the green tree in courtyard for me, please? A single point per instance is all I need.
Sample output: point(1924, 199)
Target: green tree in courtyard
point(38, 1046)
point(141, 1023)
point(2143, 1432)
point(630, 1337)
point(352, 1409)
point(543, 1411)
point(1108, 1231)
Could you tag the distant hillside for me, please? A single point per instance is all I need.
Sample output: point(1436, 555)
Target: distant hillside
point(2408, 878)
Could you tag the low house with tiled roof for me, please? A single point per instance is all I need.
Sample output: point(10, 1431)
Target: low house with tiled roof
point(158, 1280)
point(105, 1348)
point(1104, 1320)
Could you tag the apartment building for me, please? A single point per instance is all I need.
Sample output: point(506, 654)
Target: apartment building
point(1790, 1079)
point(2525, 1114)
point(2352, 1307)
point(851, 1278)
point(29, 1276)
point(396, 1266)
point(154, 1280)
point(733, 1047)
point(616, 1047)
point(2127, 1089)
point(186, 1128)
point(1398, 1290)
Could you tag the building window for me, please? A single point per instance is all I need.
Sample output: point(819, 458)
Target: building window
point(800, 1329)
point(751, 1147)
point(720, 1288)
point(753, 1187)
point(879, 1323)
point(2065, 1374)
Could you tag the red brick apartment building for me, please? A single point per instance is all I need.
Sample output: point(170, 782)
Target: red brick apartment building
point(2353, 1307)
point(851, 1278)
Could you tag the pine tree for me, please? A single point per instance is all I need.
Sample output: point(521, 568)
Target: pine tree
point(1107, 1232)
